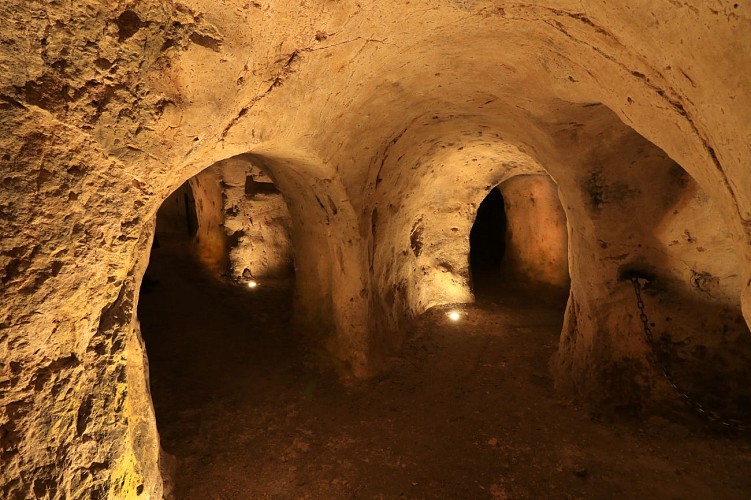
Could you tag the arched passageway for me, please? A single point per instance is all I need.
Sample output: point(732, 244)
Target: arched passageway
point(519, 242)
point(216, 301)
point(487, 243)
point(242, 411)
point(465, 405)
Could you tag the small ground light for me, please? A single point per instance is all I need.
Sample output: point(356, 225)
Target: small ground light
point(454, 315)
point(252, 284)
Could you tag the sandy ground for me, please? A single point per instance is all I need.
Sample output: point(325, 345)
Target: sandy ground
point(467, 410)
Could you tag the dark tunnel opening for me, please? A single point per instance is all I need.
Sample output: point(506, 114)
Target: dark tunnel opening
point(487, 243)
point(216, 334)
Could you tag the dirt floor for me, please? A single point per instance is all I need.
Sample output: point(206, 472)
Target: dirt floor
point(466, 411)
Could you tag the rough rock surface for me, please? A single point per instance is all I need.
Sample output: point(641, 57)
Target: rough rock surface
point(238, 218)
point(536, 236)
point(256, 221)
point(383, 124)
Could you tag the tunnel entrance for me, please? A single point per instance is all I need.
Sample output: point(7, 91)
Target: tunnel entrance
point(215, 349)
point(487, 243)
point(214, 308)
point(519, 242)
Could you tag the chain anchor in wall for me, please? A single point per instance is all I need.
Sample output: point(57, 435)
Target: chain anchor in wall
point(697, 407)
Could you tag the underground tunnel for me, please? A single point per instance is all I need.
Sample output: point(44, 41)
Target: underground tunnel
point(518, 241)
point(499, 250)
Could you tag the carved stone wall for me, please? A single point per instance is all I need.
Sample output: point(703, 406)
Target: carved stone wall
point(383, 126)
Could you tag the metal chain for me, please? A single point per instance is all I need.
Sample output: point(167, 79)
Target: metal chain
point(709, 415)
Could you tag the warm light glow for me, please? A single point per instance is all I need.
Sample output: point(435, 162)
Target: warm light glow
point(252, 284)
point(454, 315)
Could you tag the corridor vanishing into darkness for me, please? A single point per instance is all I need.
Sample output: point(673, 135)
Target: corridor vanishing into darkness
point(487, 243)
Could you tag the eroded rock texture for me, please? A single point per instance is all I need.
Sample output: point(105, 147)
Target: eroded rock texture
point(256, 222)
point(536, 236)
point(238, 219)
point(383, 125)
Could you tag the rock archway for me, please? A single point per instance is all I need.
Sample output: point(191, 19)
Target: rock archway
point(520, 238)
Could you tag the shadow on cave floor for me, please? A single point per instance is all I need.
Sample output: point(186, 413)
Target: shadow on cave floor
point(500, 287)
point(467, 410)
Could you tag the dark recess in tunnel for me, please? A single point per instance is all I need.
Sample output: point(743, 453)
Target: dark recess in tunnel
point(487, 243)
point(191, 219)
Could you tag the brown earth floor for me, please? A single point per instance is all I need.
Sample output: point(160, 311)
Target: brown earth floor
point(467, 410)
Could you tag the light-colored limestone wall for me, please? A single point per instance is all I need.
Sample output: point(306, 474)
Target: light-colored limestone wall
point(536, 233)
point(368, 115)
point(618, 221)
point(76, 418)
point(698, 248)
point(238, 234)
point(257, 223)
